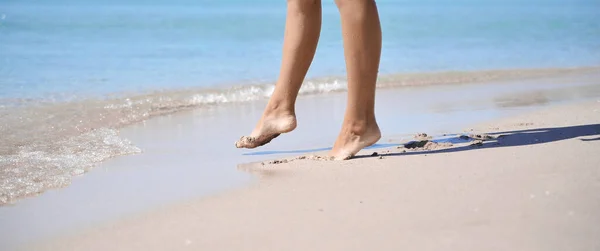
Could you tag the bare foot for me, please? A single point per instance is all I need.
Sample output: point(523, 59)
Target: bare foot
point(271, 125)
point(353, 138)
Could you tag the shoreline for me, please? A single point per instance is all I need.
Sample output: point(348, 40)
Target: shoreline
point(426, 199)
point(51, 157)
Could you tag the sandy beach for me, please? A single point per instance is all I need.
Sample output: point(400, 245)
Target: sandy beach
point(526, 182)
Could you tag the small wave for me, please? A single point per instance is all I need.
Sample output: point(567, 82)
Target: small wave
point(35, 168)
point(239, 94)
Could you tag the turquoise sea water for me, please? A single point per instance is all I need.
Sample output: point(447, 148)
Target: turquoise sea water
point(60, 49)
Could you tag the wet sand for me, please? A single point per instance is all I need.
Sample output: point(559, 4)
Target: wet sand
point(186, 162)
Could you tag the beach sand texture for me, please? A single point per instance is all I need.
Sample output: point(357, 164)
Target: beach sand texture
point(531, 183)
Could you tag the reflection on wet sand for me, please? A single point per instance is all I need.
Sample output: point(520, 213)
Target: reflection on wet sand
point(522, 100)
point(542, 97)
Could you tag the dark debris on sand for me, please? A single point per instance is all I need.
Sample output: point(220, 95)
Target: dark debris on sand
point(278, 161)
point(426, 145)
point(416, 144)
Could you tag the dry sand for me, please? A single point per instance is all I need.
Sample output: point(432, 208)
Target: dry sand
point(533, 185)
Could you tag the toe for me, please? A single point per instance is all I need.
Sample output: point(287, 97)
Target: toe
point(343, 157)
point(254, 142)
point(245, 142)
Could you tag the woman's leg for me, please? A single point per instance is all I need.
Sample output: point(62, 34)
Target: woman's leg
point(362, 50)
point(302, 30)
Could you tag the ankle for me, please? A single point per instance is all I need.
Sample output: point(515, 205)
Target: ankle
point(279, 109)
point(360, 126)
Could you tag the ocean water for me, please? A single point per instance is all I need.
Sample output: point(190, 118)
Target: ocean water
point(61, 49)
point(72, 72)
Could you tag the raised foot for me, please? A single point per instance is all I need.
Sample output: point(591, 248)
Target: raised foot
point(352, 140)
point(268, 128)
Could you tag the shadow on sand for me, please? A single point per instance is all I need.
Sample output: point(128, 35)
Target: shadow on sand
point(502, 139)
point(520, 138)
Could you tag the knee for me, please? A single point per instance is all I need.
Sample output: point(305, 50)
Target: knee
point(344, 3)
point(305, 5)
